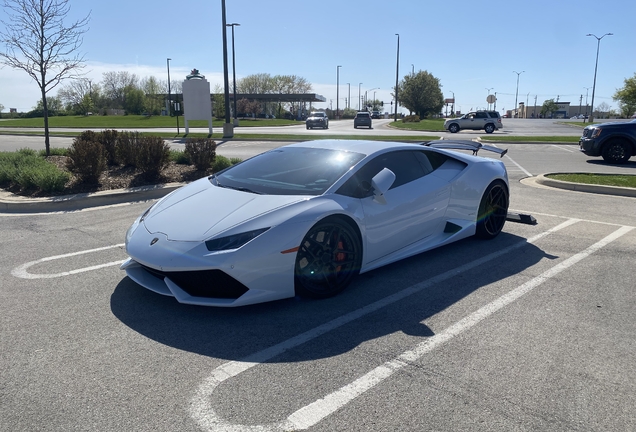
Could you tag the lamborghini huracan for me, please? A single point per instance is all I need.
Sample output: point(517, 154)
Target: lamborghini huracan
point(305, 219)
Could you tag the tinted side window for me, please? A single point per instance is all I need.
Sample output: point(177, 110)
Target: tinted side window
point(481, 115)
point(406, 165)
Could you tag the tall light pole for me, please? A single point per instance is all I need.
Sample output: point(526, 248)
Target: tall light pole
point(598, 46)
point(228, 128)
point(488, 94)
point(338, 92)
point(169, 95)
point(586, 89)
point(349, 98)
point(234, 70)
point(517, 92)
point(412, 69)
point(453, 108)
point(359, 95)
point(397, 74)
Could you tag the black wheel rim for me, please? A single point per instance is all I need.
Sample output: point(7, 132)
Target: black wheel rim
point(327, 259)
point(495, 210)
point(617, 152)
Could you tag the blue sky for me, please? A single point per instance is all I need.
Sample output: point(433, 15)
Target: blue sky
point(469, 46)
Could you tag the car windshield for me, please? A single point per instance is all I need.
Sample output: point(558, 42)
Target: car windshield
point(289, 171)
point(363, 114)
point(317, 115)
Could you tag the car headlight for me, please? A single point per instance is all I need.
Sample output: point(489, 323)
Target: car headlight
point(596, 132)
point(234, 241)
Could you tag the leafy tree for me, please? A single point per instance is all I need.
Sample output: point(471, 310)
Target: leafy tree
point(115, 86)
point(54, 104)
point(38, 42)
point(626, 96)
point(549, 107)
point(154, 91)
point(134, 100)
point(218, 105)
point(421, 93)
point(77, 95)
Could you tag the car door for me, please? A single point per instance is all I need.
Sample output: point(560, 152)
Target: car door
point(480, 120)
point(414, 205)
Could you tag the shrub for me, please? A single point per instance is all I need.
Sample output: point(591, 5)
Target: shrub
point(28, 170)
point(126, 147)
point(201, 152)
point(152, 155)
point(411, 119)
point(54, 151)
point(220, 163)
point(235, 160)
point(108, 139)
point(86, 159)
point(179, 157)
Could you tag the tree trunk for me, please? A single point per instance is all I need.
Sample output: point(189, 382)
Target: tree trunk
point(45, 112)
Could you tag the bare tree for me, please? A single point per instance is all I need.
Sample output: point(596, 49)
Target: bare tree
point(116, 85)
point(38, 42)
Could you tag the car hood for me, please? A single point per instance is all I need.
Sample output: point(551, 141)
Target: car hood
point(201, 210)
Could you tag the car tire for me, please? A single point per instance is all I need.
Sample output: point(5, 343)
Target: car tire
point(453, 128)
point(355, 127)
point(328, 259)
point(493, 210)
point(489, 128)
point(308, 128)
point(616, 151)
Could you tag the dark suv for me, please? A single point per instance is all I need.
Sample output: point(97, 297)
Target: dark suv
point(362, 118)
point(317, 119)
point(489, 121)
point(615, 142)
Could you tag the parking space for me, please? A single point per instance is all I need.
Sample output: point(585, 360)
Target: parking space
point(532, 330)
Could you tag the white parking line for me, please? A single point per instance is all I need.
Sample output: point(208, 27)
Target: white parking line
point(563, 148)
point(205, 415)
point(21, 271)
point(519, 166)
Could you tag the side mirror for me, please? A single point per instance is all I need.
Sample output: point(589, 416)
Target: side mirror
point(381, 183)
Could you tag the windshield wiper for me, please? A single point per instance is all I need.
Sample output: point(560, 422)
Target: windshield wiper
point(243, 189)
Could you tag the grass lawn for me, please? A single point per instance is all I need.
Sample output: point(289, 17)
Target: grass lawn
point(431, 125)
point(597, 179)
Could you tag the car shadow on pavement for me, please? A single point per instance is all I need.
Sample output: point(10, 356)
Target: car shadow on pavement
point(600, 162)
point(234, 333)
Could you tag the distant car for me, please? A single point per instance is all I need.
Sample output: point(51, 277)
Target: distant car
point(489, 121)
point(317, 119)
point(615, 142)
point(307, 218)
point(362, 118)
point(375, 114)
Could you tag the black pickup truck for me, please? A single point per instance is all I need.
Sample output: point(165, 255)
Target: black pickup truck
point(615, 142)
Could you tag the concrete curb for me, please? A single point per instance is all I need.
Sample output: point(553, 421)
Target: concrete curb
point(10, 203)
point(582, 187)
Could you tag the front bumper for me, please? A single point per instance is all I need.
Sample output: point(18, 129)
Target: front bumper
point(589, 147)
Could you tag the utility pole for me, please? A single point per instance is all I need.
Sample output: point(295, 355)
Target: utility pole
point(534, 111)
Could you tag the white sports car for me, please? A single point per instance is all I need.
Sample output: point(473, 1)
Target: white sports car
point(307, 218)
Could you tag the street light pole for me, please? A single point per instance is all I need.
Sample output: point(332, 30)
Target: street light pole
point(349, 98)
point(517, 92)
point(169, 95)
point(598, 46)
point(228, 129)
point(338, 92)
point(359, 95)
point(586, 90)
point(234, 70)
point(397, 73)
point(453, 108)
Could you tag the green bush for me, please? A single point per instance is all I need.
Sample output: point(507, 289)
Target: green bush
point(235, 160)
point(220, 163)
point(54, 151)
point(27, 170)
point(411, 119)
point(201, 152)
point(152, 155)
point(126, 148)
point(179, 157)
point(87, 160)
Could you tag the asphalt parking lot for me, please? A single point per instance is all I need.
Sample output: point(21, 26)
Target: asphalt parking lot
point(533, 330)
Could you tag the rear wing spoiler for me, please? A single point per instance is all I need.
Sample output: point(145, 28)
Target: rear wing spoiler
point(474, 146)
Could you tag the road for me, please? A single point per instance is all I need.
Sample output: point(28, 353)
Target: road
point(531, 331)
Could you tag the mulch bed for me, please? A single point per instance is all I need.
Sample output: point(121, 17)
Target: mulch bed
point(115, 177)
